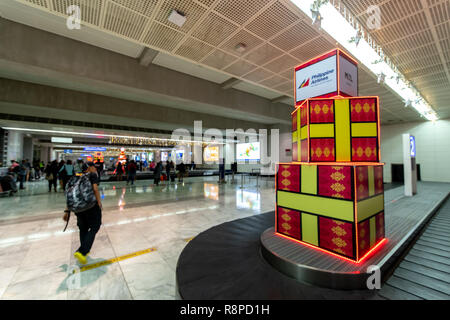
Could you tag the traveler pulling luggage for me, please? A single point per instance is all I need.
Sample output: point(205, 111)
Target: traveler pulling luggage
point(83, 198)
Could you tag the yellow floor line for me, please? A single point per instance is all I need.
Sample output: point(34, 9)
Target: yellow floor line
point(189, 239)
point(113, 260)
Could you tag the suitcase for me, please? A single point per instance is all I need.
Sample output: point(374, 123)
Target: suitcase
point(8, 184)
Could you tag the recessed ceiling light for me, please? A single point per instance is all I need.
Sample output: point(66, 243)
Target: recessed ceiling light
point(240, 47)
point(177, 18)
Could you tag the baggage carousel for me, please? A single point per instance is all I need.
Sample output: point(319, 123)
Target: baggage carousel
point(245, 259)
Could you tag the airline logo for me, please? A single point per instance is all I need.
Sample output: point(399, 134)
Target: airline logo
point(305, 83)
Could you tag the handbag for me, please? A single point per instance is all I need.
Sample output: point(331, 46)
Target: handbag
point(49, 177)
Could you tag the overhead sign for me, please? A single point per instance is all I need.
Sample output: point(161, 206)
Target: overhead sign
point(94, 149)
point(317, 79)
point(61, 140)
point(412, 146)
point(68, 151)
point(329, 75)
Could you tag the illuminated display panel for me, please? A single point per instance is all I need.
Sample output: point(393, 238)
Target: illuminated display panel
point(211, 154)
point(248, 151)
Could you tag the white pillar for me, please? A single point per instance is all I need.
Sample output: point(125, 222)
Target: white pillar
point(15, 146)
point(409, 164)
point(28, 148)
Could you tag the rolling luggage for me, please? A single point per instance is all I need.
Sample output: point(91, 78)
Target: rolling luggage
point(8, 184)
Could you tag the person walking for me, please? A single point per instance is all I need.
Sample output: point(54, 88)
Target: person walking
point(78, 167)
point(168, 169)
point(22, 173)
point(131, 172)
point(68, 173)
point(42, 167)
point(61, 174)
point(28, 170)
point(51, 174)
point(37, 170)
point(88, 221)
point(119, 171)
point(181, 171)
point(99, 166)
point(157, 173)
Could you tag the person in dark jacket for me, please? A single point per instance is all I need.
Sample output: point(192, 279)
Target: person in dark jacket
point(119, 171)
point(157, 173)
point(168, 170)
point(131, 172)
point(89, 221)
point(22, 173)
point(51, 174)
point(181, 171)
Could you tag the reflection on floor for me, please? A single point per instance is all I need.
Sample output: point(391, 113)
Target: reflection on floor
point(36, 257)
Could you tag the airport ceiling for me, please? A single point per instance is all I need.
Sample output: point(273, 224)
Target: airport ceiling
point(277, 37)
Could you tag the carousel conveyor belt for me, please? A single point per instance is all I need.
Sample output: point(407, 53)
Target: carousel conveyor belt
point(424, 273)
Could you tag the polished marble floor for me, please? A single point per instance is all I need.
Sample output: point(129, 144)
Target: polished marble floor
point(36, 256)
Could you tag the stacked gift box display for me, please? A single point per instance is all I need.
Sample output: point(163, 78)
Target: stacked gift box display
point(331, 196)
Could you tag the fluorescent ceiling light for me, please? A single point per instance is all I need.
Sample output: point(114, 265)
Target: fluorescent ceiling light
point(342, 31)
point(108, 135)
point(61, 140)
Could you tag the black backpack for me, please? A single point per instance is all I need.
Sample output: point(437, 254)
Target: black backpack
point(80, 195)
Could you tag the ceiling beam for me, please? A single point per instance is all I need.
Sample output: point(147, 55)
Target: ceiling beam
point(280, 99)
point(147, 56)
point(230, 83)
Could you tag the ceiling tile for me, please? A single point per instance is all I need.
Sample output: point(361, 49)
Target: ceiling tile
point(194, 49)
point(214, 29)
point(240, 68)
point(238, 11)
point(241, 37)
point(272, 21)
point(258, 75)
point(263, 54)
point(274, 81)
point(190, 9)
point(124, 21)
point(163, 37)
point(282, 63)
point(295, 36)
point(144, 7)
point(219, 59)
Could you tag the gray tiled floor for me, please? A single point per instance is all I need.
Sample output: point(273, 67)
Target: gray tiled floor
point(36, 256)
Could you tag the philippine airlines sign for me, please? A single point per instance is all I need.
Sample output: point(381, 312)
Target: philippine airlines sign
point(329, 75)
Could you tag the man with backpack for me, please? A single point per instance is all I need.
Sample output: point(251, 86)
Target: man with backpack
point(83, 198)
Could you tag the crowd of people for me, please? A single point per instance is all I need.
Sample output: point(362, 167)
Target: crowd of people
point(59, 173)
point(53, 172)
point(161, 171)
